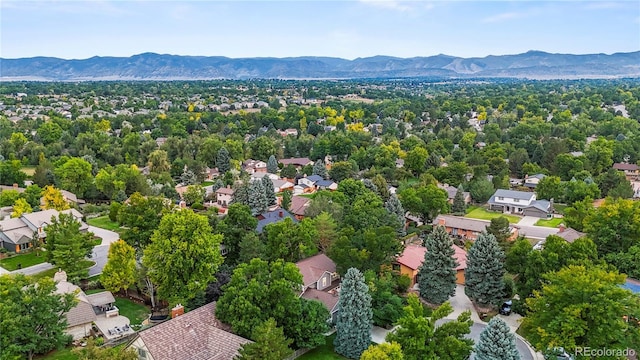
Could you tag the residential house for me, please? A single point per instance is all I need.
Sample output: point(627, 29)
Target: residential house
point(197, 334)
point(569, 234)
point(271, 217)
point(320, 282)
point(521, 203)
point(413, 256)
point(211, 173)
point(280, 185)
point(326, 185)
point(98, 309)
point(287, 132)
point(259, 175)
point(297, 162)
point(399, 163)
point(254, 166)
point(466, 228)
point(224, 196)
point(533, 180)
point(309, 184)
point(299, 205)
point(631, 171)
point(451, 193)
point(17, 234)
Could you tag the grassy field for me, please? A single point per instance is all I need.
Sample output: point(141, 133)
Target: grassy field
point(26, 260)
point(483, 214)
point(29, 170)
point(560, 208)
point(552, 223)
point(324, 352)
point(45, 274)
point(104, 222)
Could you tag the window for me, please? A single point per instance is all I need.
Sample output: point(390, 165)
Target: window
point(142, 353)
point(324, 282)
point(500, 198)
point(516, 200)
point(395, 267)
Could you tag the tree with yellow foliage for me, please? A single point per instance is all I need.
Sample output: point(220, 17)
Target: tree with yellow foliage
point(120, 271)
point(53, 199)
point(21, 206)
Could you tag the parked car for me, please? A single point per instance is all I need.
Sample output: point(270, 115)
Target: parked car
point(557, 353)
point(505, 309)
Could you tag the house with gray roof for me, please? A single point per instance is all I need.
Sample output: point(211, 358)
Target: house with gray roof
point(16, 234)
point(272, 217)
point(520, 203)
point(533, 180)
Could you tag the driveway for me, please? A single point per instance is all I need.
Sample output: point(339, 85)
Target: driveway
point(528, 221)
point(100, 252)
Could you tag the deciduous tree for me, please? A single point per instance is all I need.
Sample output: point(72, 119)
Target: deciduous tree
point(53, 199)
point(384, 351)
point(140, 216)
point(270, 343)
point(353, 325)
point(120, 271)
point(75, 175)
point(183, 255)
point(21, 206)
point(67, 246)
point(426, 202)
point(32, 316)
point(614, 226)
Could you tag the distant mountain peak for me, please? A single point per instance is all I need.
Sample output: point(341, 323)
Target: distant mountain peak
point(153, 66)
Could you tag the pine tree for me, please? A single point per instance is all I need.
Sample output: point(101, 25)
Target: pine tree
point(320, 169)
point(223, 160)
point(353, 326)
point(497, 342)
point(257, 200)
point(270, 344)
point(269, 191)
point(272, 165)
point(484, 282)
point(370, 185)
point(241, 194)
point(459, 207)
point(437, 274)
point(286, 199)
point(394, 207)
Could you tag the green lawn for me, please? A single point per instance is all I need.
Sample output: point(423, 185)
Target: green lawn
point(483, 214)
point(560, 208)
point(26, 260)
point(552, 223)
point(63, 354)
point(105, 223)
point(45, 274)
point(324, 352)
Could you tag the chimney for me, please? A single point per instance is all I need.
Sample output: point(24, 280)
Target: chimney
point(562, 228)
point(177, 311)
point(15, 186)
point(281, 213)
point(441, 221)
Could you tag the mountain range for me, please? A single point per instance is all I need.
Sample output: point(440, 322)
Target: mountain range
point(151, 66)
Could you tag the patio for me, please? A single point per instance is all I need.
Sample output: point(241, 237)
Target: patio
point(113, 327)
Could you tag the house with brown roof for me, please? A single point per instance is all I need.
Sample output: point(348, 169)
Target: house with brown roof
point(297, 162)
point(224, 196)
point(569, 234)
point(451, 193)
point(631, 171)
point(298, 206)
point(196, 335)
point(320, 281)
point(413, 256)
point(254, 166)
point(466, 228)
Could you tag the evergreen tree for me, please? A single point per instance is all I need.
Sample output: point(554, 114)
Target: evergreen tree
point(437, 274)
point(496, 342)
point(286, 199)
point(370, 185)
point(353, 326)
point(188, 177)
point(269, 192)
point(270, 344)
point(320, 169)
point(241, 194)
point(67, 246)
point(272, 165)
point(257, 199)
point(394, 207)
point(484, 282)
point(459, 206)
point(223, 160)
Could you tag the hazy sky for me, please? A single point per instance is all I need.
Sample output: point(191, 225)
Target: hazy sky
point(348, 29)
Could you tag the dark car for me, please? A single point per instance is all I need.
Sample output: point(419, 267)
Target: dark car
point(505, 309)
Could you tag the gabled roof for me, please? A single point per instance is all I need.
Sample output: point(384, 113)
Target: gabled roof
point(324, 183)
point(542, 205)
point(628, 167)
point(196, 335)
point(271, 217)
point(224, 190)
point(314, 267)
point(314, 178)
point(570, 235)
point(522, 195)
point(452, 190)
point(413, 257)
point(101, 298)
point(299, 205)
point(296, 161)
point(82, 312)
point(329, 299)
point(461, 223)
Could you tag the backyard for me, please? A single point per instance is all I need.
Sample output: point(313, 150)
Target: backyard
point(136, 313)
point(477, 212)
point(24, 260)
point(324, 352)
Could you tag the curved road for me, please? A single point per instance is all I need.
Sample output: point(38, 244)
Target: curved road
point(99, 254)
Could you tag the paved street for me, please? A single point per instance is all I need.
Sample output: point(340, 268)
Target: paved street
point(35, 269)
